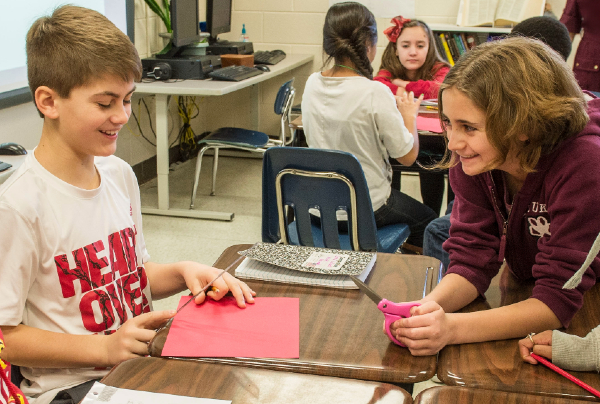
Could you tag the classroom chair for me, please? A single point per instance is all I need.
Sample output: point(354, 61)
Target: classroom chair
point(245, 139)
point(324, 181)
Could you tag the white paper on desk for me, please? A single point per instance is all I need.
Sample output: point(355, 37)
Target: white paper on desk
point(258, 270)
point(387, 8)
point(101, 393)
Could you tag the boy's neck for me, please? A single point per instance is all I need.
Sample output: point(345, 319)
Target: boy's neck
point(65, 164)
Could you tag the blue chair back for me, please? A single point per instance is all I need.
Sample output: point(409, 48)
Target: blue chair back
point(327, 194)
point(282, 96)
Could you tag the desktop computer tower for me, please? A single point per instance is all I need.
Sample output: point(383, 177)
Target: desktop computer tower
point(230, 48)
point(182, 68)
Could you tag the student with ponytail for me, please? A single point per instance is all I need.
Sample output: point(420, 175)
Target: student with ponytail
point(344, 109)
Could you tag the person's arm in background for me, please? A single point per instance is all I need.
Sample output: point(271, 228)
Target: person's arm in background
point(429, 88)
point(571, 17)
point(385, 77)
point(566, 351)
point(409, 108)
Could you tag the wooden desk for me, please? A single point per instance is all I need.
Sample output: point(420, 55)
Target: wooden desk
point(244, 385)
point(461, 395)
point(497, 365)
point(341, 330)
point(162, 90)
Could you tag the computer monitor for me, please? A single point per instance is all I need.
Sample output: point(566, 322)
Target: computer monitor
point(218, 18)
point(185, 22)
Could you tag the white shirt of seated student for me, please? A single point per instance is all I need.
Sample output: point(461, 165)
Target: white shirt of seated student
point(72, 260)
point(359, 116)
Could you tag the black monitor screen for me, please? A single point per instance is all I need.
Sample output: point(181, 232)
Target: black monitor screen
point(184, 22)
point(218, 17)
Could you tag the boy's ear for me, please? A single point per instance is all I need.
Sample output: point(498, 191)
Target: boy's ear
point(523, 137)
point(45, 99)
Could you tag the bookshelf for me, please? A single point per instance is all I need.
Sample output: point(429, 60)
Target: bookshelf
point(453, 41)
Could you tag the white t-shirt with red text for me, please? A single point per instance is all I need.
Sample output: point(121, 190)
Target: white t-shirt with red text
point(72, 260)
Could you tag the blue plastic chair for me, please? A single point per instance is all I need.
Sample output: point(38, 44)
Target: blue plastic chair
point(245, 139)
point(329, 181)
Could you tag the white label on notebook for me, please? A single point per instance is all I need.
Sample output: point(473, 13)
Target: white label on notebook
point(323, 260)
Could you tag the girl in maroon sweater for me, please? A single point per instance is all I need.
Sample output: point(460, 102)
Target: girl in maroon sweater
point(524, 146)
point(411, 61)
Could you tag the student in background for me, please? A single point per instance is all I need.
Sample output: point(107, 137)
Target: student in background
point(554, 34)
point(76, 281)
point(411, 62)
point(584, 15)
point(344, 109)
point(517, 125)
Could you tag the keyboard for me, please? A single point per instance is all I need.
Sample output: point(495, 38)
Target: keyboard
point(234, 73)
point(268, 57)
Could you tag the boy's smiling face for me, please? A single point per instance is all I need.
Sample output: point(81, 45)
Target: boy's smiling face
point(90, 119)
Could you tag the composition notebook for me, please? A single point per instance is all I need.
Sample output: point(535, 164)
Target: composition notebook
point(305, 265)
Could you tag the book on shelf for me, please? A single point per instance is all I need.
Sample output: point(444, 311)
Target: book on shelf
point(476, 13)
point(445, 49)
point(305, 265)
point(453, 48)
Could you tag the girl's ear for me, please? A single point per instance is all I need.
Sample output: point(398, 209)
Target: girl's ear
point(523, 137)
point(45, 100)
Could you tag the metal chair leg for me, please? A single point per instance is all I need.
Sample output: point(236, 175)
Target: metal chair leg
point(214, 173)
point(197, 176)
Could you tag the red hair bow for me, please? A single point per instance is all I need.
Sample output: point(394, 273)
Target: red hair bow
point(393, 32)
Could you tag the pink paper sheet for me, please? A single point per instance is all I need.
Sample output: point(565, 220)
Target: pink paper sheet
point(269, 328)
point(429, 124)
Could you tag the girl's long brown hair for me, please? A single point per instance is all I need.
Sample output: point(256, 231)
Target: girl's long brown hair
point(391, 62)
point(349, 28)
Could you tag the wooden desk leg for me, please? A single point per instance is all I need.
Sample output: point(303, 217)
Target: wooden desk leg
point(162, 171)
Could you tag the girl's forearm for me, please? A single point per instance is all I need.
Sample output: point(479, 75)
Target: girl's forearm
point(512, 321)
point(453, 293)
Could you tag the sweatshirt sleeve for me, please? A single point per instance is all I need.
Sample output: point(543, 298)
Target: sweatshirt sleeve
point(571, 17)
point(429, 88)
point(385, 77)
point(473, 228)
point(575, 353)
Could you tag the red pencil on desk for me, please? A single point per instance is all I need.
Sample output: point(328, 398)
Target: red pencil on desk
point(561, 372)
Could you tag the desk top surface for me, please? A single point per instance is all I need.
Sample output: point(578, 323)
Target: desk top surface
point(497, 365)
point(461, 395)
point(215, 87)
point(341, 330)
point(244, 385)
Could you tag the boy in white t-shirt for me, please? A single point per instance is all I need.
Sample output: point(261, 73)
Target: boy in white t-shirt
point(76, 285)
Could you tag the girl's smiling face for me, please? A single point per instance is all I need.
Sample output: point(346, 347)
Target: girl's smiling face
point(467, 138)
point(412, 47)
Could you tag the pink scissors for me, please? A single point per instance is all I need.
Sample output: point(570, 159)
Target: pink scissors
point(392, 311)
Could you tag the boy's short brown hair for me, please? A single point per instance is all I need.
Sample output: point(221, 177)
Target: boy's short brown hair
point(524, 88)
point(76, 45)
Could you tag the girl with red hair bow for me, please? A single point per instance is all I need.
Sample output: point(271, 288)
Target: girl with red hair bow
point(411, 61)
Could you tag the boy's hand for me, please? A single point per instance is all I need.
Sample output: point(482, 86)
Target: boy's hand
point(408, 106)
point(131, 340)
point(197, 276)
point(542, 345)
point(426, 332)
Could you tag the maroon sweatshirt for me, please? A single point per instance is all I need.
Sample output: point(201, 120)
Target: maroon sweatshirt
point(554, 221)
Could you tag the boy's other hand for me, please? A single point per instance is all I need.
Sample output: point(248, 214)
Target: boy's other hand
point(426, 332)
point(131, 340)
point(542, 345)
point(197, 276)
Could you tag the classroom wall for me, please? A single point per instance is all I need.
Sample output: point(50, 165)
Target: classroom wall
point(291, 25)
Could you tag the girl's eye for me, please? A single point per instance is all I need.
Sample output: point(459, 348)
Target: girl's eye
point(127, 101)
point(469, 128)
point(103, 105)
